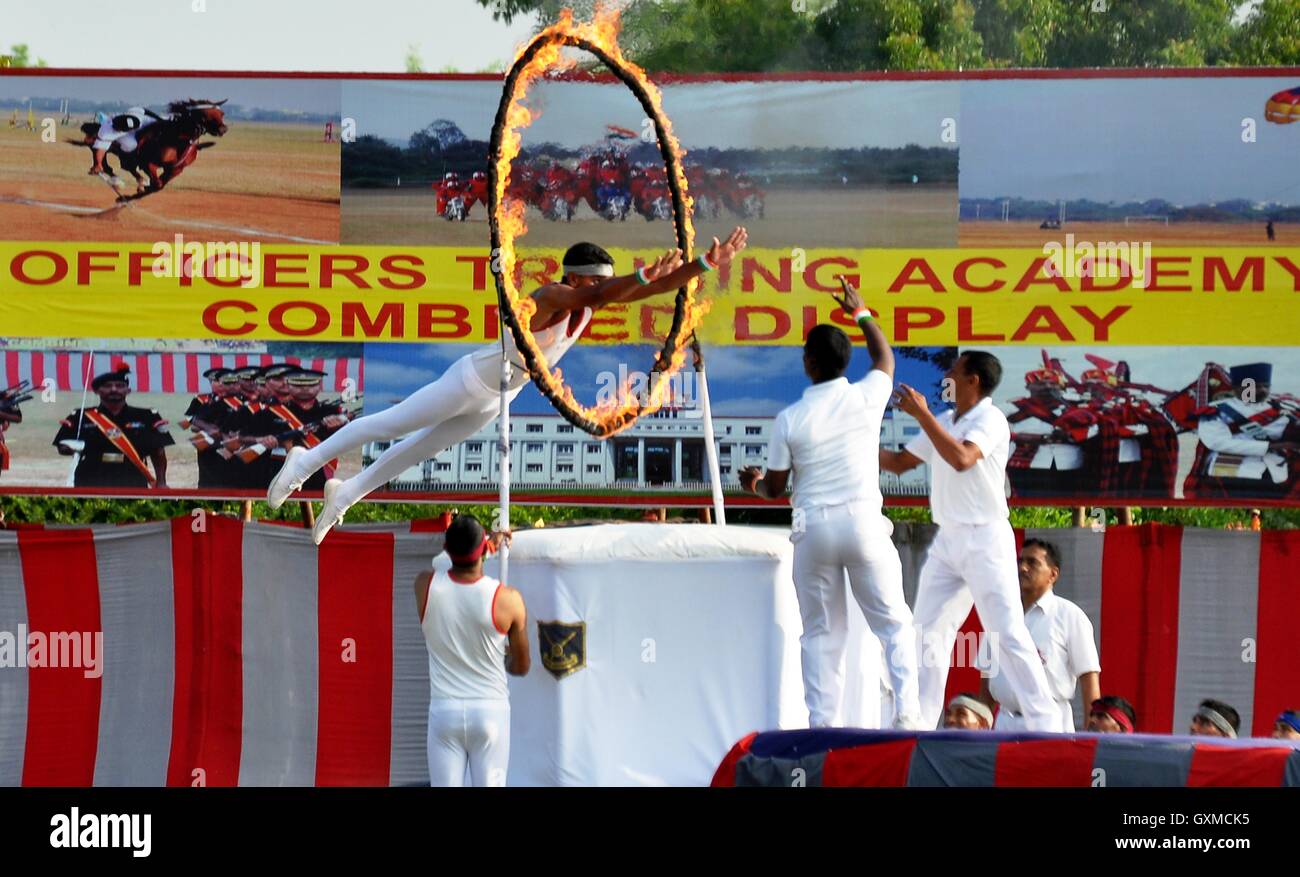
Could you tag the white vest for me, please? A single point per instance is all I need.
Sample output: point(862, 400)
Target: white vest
point(466, 650)
point(553, 341)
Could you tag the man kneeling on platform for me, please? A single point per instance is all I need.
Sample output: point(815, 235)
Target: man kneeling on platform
point(475, 630)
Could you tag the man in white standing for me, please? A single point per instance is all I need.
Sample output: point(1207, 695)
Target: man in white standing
point(829, 440)
point(1063, 635)
point(476, 631)
point(973, 556)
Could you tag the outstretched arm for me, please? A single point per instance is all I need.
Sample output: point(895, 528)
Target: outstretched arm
point(898, 462)
point(882, 355)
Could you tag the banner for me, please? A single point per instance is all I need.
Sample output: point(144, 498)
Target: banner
point(1136, 281)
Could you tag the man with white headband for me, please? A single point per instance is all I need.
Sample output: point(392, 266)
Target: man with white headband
point(1214, 718)
point(466, 397)
point(965, 713)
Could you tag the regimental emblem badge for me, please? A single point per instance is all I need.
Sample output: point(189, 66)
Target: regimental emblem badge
point(563, 645)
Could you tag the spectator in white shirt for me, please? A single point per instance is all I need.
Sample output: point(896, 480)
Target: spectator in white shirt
point(829, 441)
point(972, 560)
point(1063, 635)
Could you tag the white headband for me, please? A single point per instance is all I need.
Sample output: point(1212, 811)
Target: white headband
point(978, 708)
point(1217, 719)
point(598, 269)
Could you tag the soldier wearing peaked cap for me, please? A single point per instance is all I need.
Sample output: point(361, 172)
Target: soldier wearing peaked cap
point(116, 442)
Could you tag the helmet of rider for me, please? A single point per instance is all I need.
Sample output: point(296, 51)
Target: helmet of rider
point(125, 123)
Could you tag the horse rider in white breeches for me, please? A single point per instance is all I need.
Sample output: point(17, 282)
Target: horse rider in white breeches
point(121, 130)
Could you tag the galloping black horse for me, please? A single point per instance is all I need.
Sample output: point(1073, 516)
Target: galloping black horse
point(166, 147)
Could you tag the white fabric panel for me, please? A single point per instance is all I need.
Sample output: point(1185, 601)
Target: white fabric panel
point(13, 680)
point(409, 763)
point(1218, 608)
point(137, 614)
point(281, 658)
point(1080, 583)
point(691, 643)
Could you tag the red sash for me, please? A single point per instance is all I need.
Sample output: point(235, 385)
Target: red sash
point(114, 434)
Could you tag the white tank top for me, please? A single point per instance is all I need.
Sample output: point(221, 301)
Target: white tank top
point(554, 341)
point(466, 650)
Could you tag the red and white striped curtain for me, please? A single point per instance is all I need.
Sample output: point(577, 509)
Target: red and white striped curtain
point(161, 372)
point(243, 654)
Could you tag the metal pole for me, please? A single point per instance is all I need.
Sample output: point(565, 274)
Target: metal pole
point(711, 450)
point(503, 447)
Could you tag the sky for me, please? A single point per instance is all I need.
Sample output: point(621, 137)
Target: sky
point(320, 35)
point(1180, 139)
point(752, 381)
point(319, 96)
point(743, 114)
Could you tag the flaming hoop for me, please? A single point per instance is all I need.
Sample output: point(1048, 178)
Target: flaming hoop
point(506, 221)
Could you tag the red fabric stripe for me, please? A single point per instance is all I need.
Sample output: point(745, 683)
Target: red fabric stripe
point(340, 373)
point(1045, 763)
point(1237, 766)
point(63, 371)
point(874, 764)
point(142, 376)
point(241, 360)
point(1140, 571)
point(293, 360)
point(208, 704)
point(38, 370)
point(87, 373)
point(213, 362)
point(725, 775)
point(318, 365)
point(168, 364)
point(361, 375)
point(115, 360)
point(191, 373)
point(11, 368)
point(963, 674)
point(267, 359)
point(431, 525)
point(1277, 675)
point(61, 581)
point(355, 698)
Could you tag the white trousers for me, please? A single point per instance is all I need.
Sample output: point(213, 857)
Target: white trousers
point(437, 416)
point(852, 538)
point(977, 565)
point(471, 735)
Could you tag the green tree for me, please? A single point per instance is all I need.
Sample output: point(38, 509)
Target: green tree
point(19, 56)
point(1271, 35)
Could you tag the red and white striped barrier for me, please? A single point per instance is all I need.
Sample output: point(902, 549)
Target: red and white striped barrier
point(161, 372)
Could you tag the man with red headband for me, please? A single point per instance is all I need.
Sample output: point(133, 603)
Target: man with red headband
point(1111, 714)
point(467, 397)
point(476, 631)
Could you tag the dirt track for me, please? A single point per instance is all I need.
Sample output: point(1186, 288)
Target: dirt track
point(270, 183)
point(904, 216)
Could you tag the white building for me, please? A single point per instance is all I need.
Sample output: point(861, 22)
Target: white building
point(663, 451)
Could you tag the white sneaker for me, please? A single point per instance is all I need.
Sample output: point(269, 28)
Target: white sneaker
point(288, 480)
point(331, 512)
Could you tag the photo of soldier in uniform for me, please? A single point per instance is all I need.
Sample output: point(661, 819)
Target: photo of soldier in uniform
point(110, 443)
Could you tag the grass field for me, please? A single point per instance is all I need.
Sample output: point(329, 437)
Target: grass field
point(35, 462)
point(1175, 234)
point(263, 182)
point(900, 216)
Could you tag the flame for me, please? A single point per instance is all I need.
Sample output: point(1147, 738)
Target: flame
point(625, 408)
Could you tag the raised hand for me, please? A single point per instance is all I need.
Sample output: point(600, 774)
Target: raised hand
point(722, 252)
point(910, 401)
point(852, 300)
point(664, 265)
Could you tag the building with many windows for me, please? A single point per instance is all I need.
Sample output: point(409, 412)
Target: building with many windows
point(663, 451)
